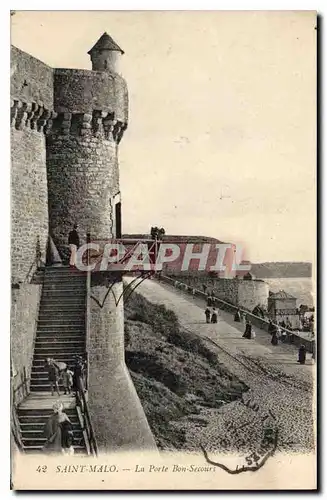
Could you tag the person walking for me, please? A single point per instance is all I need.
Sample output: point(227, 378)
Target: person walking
point(274, 337)
point(271, 327)
point(53, 375)
point(207, 313)
point(237, 316)
point(313, 349)
point(73, 242)
point(67, 380)
point(248, 330)
point(214, 316)
point(78, 373)
point(58, 431)
point(302, 354)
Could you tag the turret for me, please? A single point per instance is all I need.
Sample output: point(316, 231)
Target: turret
point(83, 184)
point(105, 54)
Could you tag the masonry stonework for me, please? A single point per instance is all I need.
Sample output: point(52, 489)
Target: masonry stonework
point(29, 201)
point(24, 313)
point(83, 176)
point(66, 128)
point(246, 294)
point(117, 414)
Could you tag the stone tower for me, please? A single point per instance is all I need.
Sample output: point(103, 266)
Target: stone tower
point(83, 187)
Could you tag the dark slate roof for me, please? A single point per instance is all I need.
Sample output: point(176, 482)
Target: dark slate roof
point(105, 42)
point(281, 295)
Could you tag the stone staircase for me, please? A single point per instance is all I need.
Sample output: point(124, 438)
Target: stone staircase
point(60, 335)
point(35, 411)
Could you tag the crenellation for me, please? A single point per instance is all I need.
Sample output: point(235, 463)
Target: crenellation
point(99, 124)
point(30, 115)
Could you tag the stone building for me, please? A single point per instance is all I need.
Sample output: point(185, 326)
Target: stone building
point(282, 307)
point(66, 126)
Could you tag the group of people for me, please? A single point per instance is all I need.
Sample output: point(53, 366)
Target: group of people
point(211, 315)
point(58, 371)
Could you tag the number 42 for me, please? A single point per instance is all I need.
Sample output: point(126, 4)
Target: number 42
point(42, 468)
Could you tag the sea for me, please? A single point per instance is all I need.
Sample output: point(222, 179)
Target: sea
point(301, 288)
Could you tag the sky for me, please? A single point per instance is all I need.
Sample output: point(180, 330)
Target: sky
point(221, 139)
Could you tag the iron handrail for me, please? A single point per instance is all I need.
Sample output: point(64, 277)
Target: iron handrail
point(15, 427)
point(87, 310)
point(87, 424)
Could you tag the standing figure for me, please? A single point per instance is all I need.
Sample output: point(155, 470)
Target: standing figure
point(208, 315)
point(78, 373)
point(58, 430)
point(214, 316)
point(248, 330)
point(67, 380)
point(237, 316)
point(274, 337)
point(302, 354)
point(73, 242)
point(204, 288)
point(313, 349)
point(53, 375)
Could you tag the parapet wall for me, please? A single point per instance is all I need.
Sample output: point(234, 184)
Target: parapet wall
point(31, 79)
point(241, 293)
point(82, 91)
point(24, 314)
point(261, 323)
point(29, 200)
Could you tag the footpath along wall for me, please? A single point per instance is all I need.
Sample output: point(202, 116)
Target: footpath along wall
point(241, 293)
point(257, 321)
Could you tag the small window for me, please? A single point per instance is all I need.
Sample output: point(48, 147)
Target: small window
point(118, 220)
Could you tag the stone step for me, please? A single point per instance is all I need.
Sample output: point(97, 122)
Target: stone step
point(44, 403)
point(38, 433)
point(37, 450)
point(60, 337)
point(64, 270)
point(64, 328)
point(35, 388)
point(38, 417)
point(59, 342)
point(37, 422)
point(63, 315)
point(39, 362)
point(62, 304)
point(59, 356)
point(61, 321)
point(37, 373)
point(37, 380)
point(54, 284)
point(54, 352)
point(60, 296)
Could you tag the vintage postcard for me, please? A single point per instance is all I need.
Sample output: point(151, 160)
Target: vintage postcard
point(163, 255)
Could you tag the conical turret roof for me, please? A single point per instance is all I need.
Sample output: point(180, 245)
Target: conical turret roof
point(105, 42)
